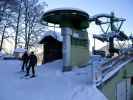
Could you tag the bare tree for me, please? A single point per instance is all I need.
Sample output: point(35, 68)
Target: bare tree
point(22, 16)
point(6, 22)
point(6, 4)
point(6, 8)
point(18, 21)
point(33, 12)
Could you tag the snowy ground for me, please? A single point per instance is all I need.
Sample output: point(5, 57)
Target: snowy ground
point(50, 83)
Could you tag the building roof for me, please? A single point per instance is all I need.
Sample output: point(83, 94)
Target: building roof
point(70, 17)
point(20, 50)
point(53, 34)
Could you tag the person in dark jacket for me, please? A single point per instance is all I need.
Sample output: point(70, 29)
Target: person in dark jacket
point(25, 58)
point(32, 64)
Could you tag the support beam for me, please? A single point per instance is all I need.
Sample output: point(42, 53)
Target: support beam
point(66, 33)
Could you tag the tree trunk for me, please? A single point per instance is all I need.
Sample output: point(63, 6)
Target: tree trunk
point(17, 27)
point(26, 23)
point(31, 23)
point(2, 38)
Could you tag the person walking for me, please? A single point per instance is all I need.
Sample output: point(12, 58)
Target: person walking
point(25, 58)
point(32, 64)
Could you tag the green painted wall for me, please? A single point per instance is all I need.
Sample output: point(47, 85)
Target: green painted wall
point(109, 87)
point(80, 55)
point(79, 48)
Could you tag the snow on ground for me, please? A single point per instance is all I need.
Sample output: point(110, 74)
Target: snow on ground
point(50, 83)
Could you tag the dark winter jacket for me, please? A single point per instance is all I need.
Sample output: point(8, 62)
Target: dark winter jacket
point(25, 57)
point(32, 60)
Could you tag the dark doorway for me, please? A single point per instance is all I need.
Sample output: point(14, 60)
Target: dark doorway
point(52, 49)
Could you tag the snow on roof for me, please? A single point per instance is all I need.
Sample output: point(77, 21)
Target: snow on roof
point(54, 34)
point(1, 54)
point(20, 50)
point(66, 8)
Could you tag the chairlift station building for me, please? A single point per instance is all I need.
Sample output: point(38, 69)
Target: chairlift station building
point(73, 24)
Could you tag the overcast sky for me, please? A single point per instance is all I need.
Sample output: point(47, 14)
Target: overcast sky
point(122, 8)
